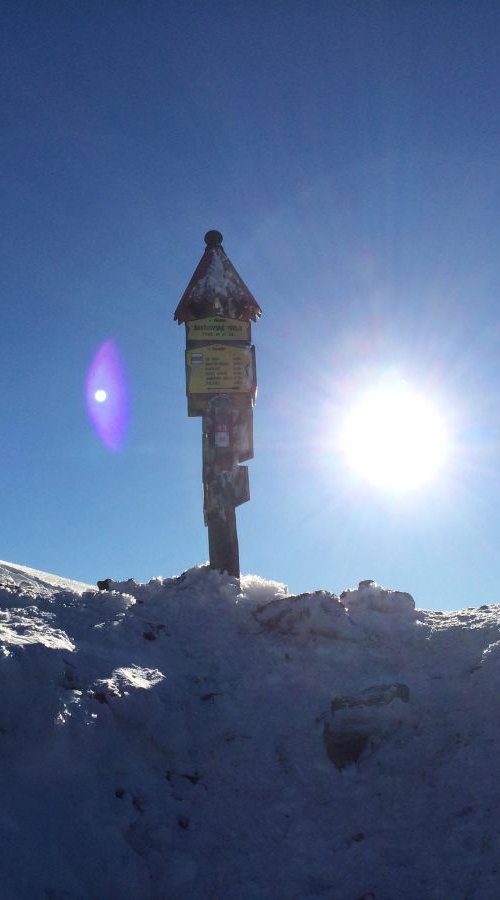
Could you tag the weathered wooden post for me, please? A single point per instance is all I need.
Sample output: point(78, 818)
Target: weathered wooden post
point(221, 386)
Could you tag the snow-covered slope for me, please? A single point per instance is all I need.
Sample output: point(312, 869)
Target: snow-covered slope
point(196, 738)
point(23, 576)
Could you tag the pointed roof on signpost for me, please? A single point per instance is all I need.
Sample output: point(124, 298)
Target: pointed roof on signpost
point(216, 289)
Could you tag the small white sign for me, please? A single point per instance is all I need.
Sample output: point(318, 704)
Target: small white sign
point(221, 436)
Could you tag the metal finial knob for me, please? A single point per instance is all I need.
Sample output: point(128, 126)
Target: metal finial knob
point(213, 238)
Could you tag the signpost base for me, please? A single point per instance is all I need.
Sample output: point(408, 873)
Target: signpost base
point(223, 542)
point(223, 487)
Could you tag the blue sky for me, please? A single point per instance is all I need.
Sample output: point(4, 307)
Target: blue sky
point(349, 154)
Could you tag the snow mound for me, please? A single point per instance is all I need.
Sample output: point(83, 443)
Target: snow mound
point(319, 614)
point(371, 596)
point(197, 736)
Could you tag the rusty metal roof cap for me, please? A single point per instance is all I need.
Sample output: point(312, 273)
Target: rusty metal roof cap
point(216, 289)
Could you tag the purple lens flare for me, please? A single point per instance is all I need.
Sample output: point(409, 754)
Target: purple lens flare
point(107, 396)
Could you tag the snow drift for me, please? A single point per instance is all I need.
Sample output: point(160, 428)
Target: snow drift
point(196, 737)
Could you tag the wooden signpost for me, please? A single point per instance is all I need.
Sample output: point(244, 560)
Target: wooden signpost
point(221, 386)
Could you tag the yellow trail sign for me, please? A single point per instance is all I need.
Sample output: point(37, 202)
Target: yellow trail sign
point(220, 368)
point(215, 328)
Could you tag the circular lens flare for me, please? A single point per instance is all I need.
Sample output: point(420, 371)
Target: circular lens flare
point(107, 395)
point(394, 438)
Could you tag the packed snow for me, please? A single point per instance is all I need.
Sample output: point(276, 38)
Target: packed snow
point(200, 737)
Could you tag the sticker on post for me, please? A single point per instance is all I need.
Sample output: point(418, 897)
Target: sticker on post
point(221, 435)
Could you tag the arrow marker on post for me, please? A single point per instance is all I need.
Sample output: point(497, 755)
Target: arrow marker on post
point(221, 386)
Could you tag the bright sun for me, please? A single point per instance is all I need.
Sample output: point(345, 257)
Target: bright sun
point(394, 438)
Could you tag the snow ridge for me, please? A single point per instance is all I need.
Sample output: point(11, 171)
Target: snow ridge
point(199, 737)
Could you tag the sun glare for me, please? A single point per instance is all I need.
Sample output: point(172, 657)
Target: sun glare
point(100, 396)
point(394, 438)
